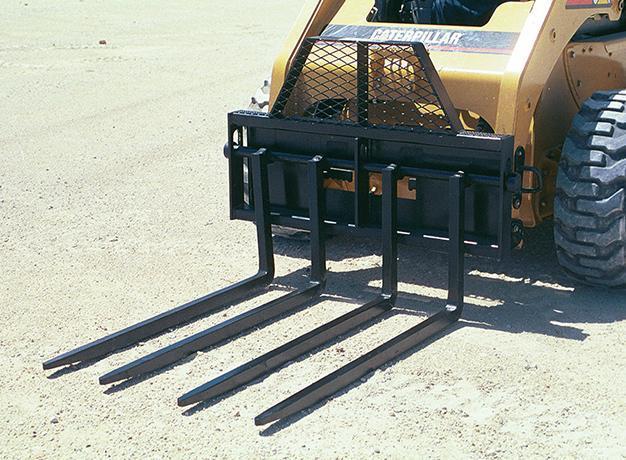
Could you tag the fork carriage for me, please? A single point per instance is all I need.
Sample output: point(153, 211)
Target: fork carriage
point(341, 163)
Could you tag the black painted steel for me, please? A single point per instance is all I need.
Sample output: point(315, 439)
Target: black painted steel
point(316, 219)
point(426, 159)
point(456, 249)
point(276, 358)
point(257, 316)
point(390, 232)
point(348, 374)
point(189, 311)
point(362, 82)
point(468, 144)
point(288, 187)
point(213, 336)
point(497, 246)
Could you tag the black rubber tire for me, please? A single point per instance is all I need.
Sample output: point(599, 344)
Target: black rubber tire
point(590, 202)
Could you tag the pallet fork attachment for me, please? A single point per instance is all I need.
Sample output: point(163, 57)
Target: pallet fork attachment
point(343, 377)
point(278, 357)
point(219, 299)
point(424, 153)
point(346, 375)
point(259, 315)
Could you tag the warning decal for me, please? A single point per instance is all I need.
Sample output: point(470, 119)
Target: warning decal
point(588, 3)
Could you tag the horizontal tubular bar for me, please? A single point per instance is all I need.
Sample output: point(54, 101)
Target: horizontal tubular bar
point(485, 144)
point(353, 371)
point(422, 173)
point(421, 238)
point(162, 322)
point(274, 359)
point(213, 335)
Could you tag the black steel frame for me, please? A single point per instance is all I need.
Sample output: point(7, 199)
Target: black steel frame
point(464, 161)
point(271, 361)
point(222, 298)
point(363, 49)
point(248, 131)
point(485, 159)
point(395, 347)
point(259, 315)
point(276, 358)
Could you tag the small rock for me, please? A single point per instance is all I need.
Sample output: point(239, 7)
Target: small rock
point(54, 420)
point(102, 42)
point(237, 414)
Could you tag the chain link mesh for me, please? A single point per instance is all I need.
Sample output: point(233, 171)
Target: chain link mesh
point(369, 84)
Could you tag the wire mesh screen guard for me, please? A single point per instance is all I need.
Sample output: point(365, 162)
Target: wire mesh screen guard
point(365, 83)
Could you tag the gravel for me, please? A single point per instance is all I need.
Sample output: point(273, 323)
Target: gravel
point(113, 207)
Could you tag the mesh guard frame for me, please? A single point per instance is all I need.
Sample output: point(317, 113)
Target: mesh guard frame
point(343, 81)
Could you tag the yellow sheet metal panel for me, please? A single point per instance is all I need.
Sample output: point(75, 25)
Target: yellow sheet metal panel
point(313, 17)
point(597, 63)
point(499, 71)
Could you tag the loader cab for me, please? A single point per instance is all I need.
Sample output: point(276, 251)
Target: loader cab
point(600, 25)
point(473, 13)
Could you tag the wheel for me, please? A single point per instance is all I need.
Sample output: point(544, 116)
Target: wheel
point(590, 204)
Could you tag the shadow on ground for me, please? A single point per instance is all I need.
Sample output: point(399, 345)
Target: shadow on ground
point(527, 293)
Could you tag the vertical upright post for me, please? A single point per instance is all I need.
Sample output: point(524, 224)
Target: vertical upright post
point(316, 219)
point(390, 232)
point(362, 81)
point(361, 177)
point(262, 217)
point(235, 171)
point(456, 249)
point(361, 183)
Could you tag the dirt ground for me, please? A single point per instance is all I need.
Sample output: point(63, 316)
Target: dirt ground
point(113, 207)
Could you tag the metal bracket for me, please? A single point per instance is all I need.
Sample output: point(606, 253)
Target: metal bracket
point(516, 180)
point(538, 175)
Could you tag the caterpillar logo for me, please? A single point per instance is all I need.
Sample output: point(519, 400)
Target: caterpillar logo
point(588, 3)
point(428, 37)
point(433, 38)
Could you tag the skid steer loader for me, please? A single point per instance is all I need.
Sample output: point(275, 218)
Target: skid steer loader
point(390, 121)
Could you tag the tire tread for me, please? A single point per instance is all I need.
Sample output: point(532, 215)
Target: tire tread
point(590, 203)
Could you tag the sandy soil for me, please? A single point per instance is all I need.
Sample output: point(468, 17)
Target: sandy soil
point(113, 208)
